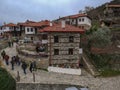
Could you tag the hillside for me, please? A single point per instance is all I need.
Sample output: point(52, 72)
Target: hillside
point(98, 13)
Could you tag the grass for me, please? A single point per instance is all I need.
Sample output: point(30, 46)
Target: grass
point(109, 73)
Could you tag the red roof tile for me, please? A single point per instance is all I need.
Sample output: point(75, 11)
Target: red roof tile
point(113, 5)
point(58, 28)
point(9, 25)
point(75, 16)
point(35, 24)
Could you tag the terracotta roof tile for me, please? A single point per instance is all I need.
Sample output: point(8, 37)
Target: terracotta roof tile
point(58, 28)
point(9, 25)
point(35, 24)
point(114, 5)
point(75, 16)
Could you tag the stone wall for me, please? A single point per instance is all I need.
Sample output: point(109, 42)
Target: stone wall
point(38, 86)
point(64, 45)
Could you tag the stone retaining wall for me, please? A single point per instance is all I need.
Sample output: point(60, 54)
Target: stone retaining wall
point(38, 86)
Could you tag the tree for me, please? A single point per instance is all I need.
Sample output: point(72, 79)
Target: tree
point(88, 8)
point(100, 38)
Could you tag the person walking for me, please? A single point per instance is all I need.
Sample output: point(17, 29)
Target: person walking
point(6, 59)
point(24, 67)
point(9, 43)
point(17, 60)
point(31, 67)
point(3, 53)
point(12, 62)
point(34, 66)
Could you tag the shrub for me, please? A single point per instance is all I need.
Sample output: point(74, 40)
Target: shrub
point(6, 80)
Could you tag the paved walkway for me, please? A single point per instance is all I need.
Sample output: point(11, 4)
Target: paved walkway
point(85, 79)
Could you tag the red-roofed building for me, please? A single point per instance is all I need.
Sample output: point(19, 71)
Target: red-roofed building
point(29, 29)
point(63, 44)
point(10, 29)
point(79, 20)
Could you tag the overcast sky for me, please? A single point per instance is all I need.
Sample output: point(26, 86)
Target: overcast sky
point(21, 10)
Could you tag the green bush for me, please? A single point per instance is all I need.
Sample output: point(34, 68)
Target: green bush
point(109, 73)
point(6, 80)
point(100, 37)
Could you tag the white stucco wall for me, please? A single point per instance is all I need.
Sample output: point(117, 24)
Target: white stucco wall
point(64, 70)
point(86, 21)
point(26, 32)
point(5, 29)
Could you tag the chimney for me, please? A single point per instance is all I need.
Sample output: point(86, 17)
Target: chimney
point(51, 24)
point(63, 23)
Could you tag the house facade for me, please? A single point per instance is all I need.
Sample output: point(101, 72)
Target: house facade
point(10, 29)
point(29, 29)
point(79, 20)
point(63, 45)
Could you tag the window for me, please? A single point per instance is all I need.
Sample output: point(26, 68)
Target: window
point(70, 51)
point(56, 39)
point(82, 19)
point(35, 30)
point(31, 29)
point(72, 20)
point(71, 39)
point(56, 51)
point(10, 27)
point(27, 29)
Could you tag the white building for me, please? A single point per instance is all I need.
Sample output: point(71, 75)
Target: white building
point(30, 29)
point(80, 20)
point(9, 29)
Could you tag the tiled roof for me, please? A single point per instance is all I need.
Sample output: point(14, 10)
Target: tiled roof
point(9, 25)
point(35, 24)
point(58, 28)
point(114, 5)
point(75, 16)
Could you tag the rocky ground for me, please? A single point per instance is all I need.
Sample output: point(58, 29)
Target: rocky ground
point(41, 76)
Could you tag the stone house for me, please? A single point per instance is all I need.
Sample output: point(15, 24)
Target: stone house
point(63, 44)
point(82, 21)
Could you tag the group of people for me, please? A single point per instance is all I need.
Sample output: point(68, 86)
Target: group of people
point(15, 60)
point(32, 66)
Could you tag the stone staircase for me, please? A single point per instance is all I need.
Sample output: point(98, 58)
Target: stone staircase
point(90, 67)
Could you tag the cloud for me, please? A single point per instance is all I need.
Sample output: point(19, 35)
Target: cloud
point(20, 10)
